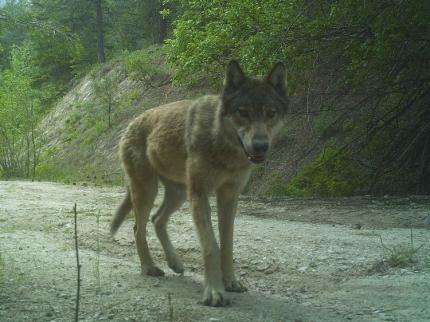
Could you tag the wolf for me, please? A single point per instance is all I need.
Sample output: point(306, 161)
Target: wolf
point(196, 148)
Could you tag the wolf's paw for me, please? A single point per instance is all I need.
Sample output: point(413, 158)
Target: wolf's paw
point(234, 286)
point(177, 267)
point(152, 271)
point(212, 297)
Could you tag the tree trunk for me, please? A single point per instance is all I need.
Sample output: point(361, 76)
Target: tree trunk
point(163, 30)
point(99, 27)
point(162, 33)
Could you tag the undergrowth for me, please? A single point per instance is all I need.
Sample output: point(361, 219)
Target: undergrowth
point(400, 255)
point(332, 174)
point(146, 66)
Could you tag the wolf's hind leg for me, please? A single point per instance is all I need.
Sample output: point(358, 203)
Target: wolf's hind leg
point(174, 197)
point(143, 189)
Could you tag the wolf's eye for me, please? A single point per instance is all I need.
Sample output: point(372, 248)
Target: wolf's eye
point(271, 114)
point(243, 112)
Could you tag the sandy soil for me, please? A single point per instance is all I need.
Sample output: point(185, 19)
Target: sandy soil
point(301, 259)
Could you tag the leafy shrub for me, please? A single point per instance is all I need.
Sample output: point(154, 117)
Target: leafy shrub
point(145, 65)
point(128, 99)
point(332, 174)
point(92, 134)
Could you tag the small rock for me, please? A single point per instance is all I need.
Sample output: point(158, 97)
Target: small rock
point(357, 226)
point(214, 320)
point(303, 269)
point(403, 271)
point(263, 267)
point(271, 270)
point(313, 264)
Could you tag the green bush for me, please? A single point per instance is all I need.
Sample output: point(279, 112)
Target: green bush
point(145, 65)
point(128, 99)
point(332, 174)
point(95, 132)
point(49, 169)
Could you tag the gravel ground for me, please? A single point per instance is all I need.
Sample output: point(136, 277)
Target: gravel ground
point(301, 259)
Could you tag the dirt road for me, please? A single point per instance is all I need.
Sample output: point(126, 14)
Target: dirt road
point(302, 260)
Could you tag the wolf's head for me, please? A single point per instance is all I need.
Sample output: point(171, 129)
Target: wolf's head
point(255, 108)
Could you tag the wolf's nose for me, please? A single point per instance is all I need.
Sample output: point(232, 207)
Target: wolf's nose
point(260, 146)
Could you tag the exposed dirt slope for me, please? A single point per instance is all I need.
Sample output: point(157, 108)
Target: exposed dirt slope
point(79, 145)
point(302, 260)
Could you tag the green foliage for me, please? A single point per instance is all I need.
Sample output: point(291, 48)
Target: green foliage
point(12, 30)
point(129, 99)
point(358, 34)
point(134, 24)
point(20, 108)
point(211, 32)
point(62, 35)
point(332, 174)
point(146, 65)
point(105, 88)
point(94, 132)
point(364, 64)
point(51, 169)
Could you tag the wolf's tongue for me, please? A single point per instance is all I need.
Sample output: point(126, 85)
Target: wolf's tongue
point(257, 158)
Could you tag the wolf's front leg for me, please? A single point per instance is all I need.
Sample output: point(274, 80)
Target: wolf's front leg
point(214, 292)
point(227, 196)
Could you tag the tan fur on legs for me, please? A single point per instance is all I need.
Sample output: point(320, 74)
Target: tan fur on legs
point(174, 197)
point(227, 196)
point(143, 193)
point(213, 293)
point(143, 187)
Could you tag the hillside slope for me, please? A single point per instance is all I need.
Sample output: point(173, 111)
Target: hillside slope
point(79, 144)
point(81, 147)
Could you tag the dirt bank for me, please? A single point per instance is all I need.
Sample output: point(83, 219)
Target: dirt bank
point(302, 260)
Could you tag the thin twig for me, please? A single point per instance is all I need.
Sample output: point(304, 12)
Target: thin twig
point(78, 288)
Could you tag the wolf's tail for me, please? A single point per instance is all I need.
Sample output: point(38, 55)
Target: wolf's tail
point(121, 213)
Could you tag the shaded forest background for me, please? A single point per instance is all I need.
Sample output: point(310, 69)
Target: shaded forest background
point(358, 73)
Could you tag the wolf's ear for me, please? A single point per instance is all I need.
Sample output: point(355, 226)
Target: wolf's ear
point(234, 76)
point(278, 78)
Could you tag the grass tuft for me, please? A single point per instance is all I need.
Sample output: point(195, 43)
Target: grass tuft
point(400, 255)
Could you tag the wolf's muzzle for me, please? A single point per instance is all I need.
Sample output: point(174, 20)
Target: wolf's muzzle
point(257, 152)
